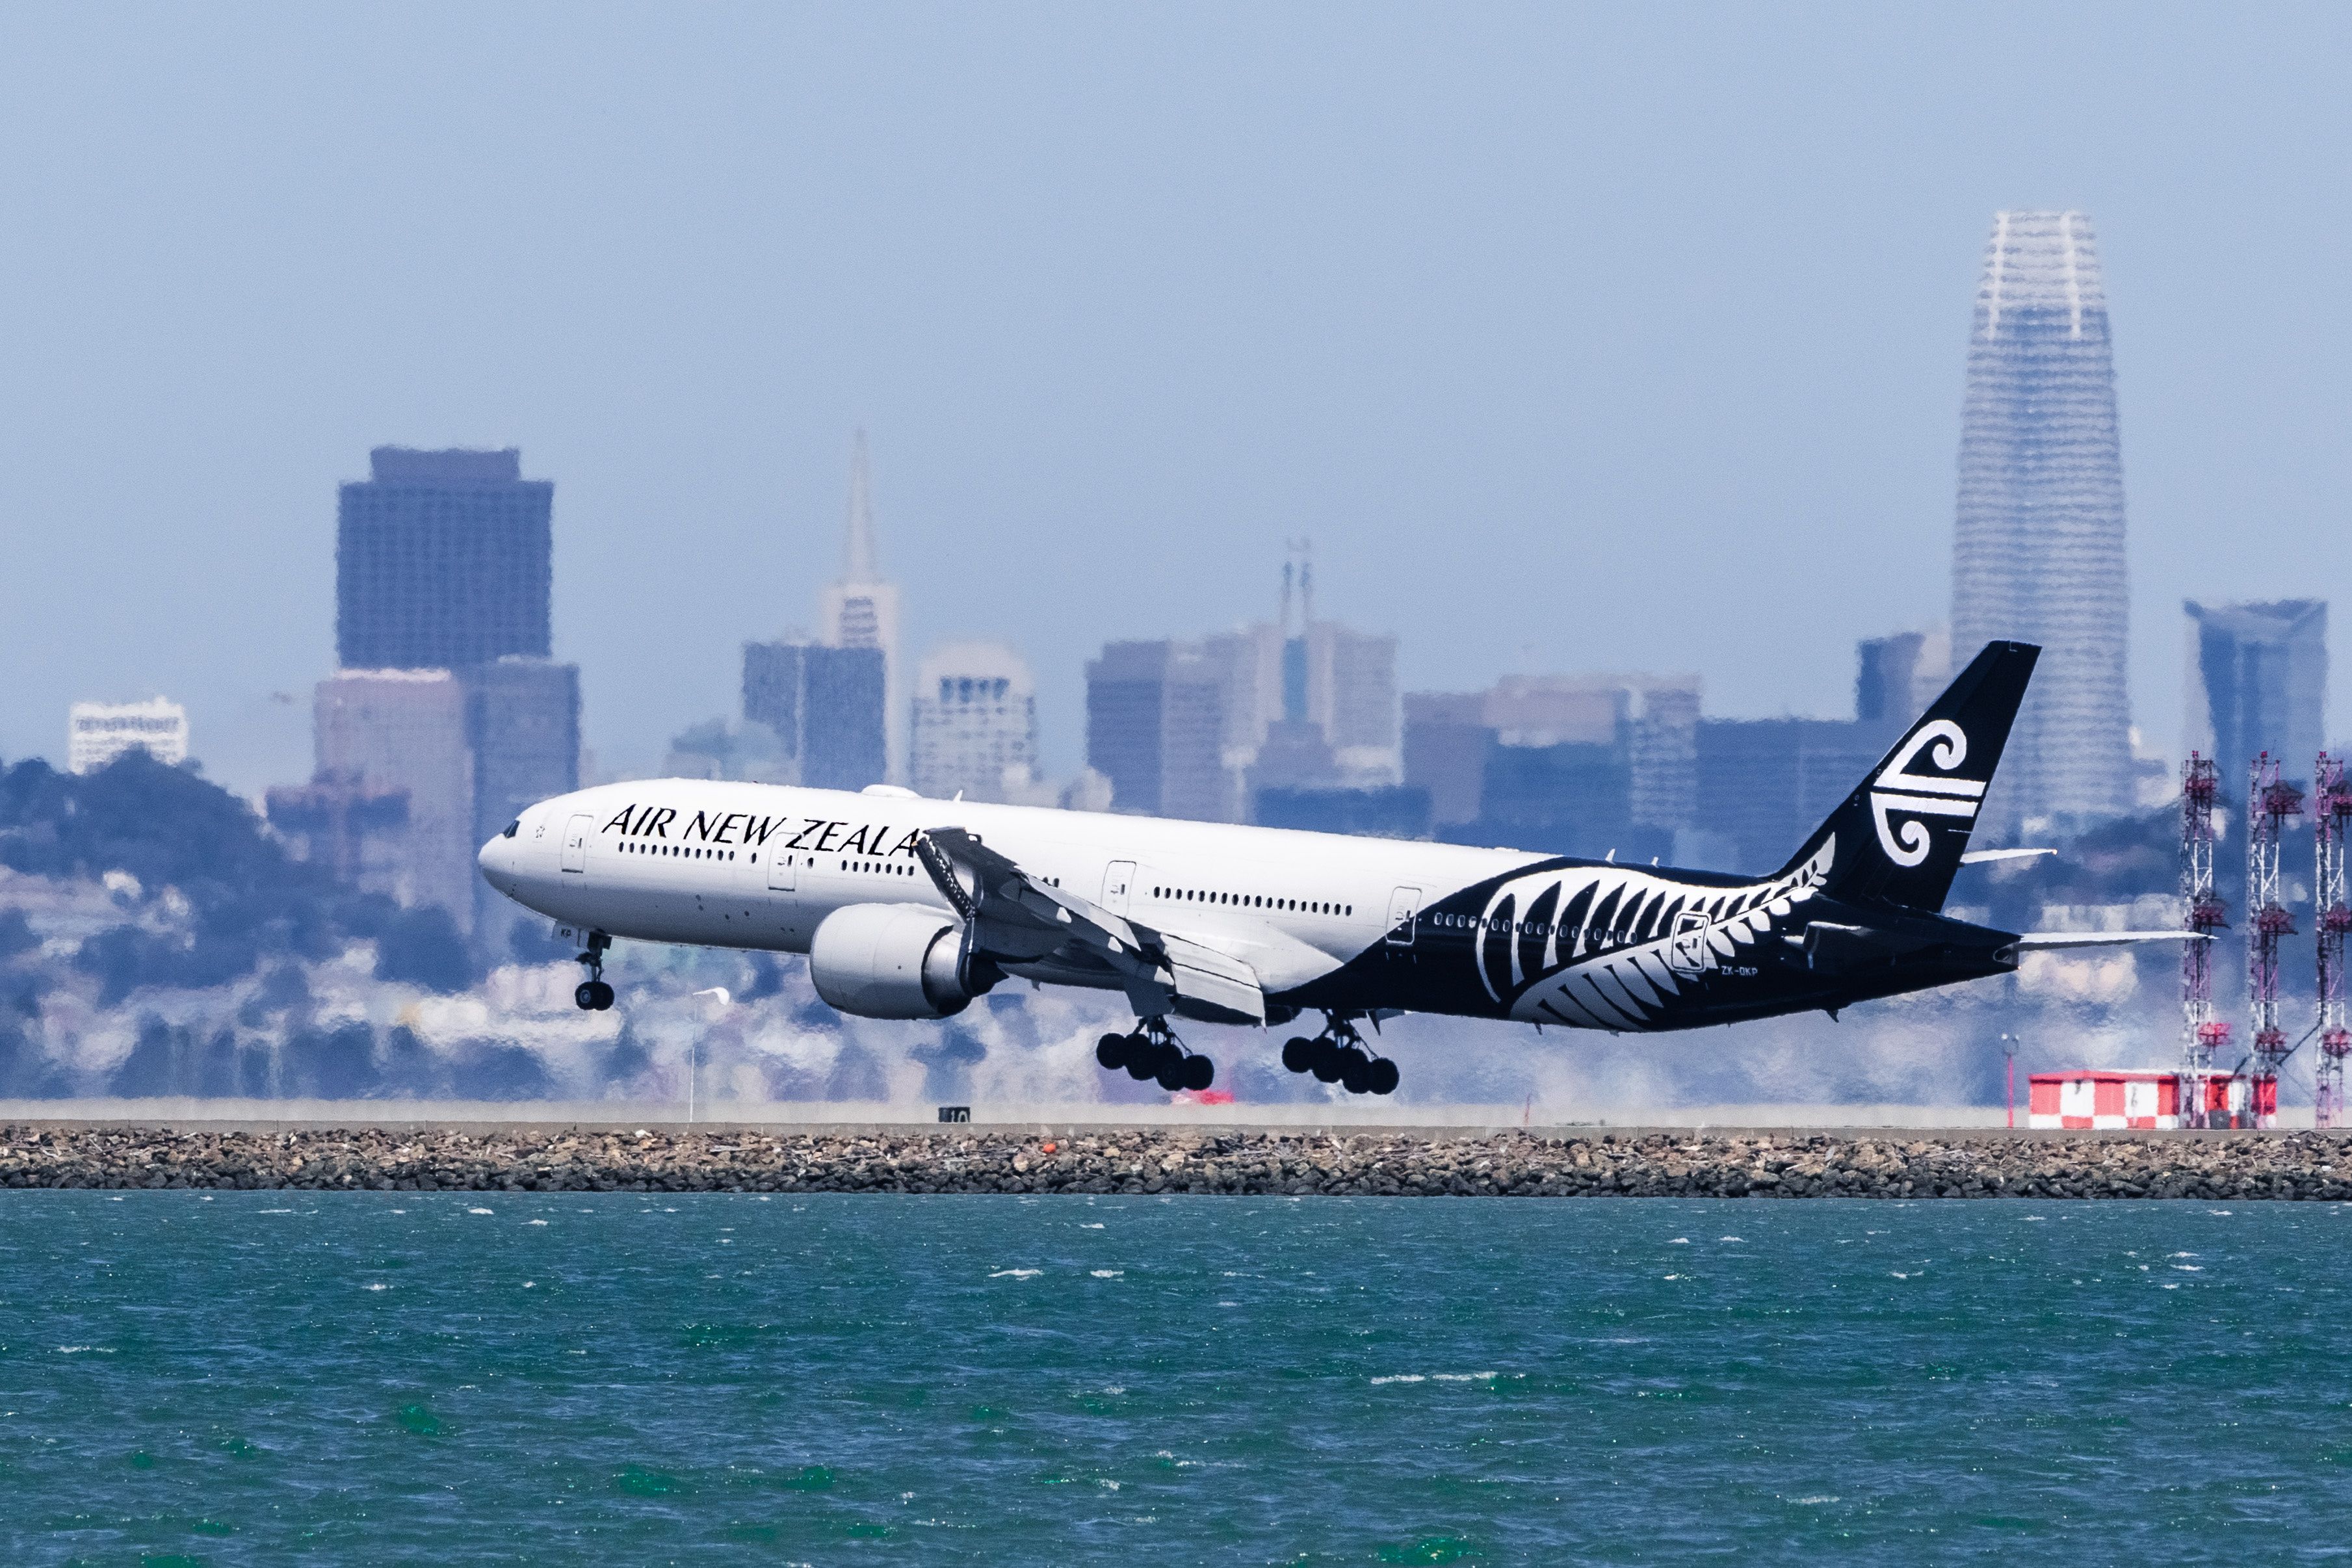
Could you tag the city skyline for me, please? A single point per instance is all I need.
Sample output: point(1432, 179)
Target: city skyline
point(1507, 311)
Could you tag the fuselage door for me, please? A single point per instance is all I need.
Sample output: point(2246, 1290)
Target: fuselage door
point(1119, 883)
point(1404, 907)
point(1686, 952)
point(783, 871)
point(575, 842)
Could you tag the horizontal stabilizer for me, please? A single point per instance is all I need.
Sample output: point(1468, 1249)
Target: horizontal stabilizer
point(1978, 856)
point(2054, 940)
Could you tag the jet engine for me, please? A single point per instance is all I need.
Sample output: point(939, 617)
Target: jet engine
point(895, 961)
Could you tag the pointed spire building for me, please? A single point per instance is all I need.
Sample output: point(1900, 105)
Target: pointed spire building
point(861, 610)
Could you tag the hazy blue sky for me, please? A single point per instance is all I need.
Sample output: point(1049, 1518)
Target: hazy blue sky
point(1618, 337)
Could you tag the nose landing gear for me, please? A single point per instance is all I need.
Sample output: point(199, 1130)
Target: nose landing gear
point(1339, 1055)
point(593, 995)
point(1153, 1051)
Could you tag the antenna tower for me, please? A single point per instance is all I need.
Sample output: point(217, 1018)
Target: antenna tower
point(2331, 805)
point(2201, 914)
point(2268, 804)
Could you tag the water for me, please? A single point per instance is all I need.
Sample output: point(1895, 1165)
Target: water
point(386, 1377)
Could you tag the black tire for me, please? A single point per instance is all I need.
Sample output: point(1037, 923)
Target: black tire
point(1111, 1051)
point(1200, 1072)
point(1383, 1077)
point(1329, 1059)
point(1298, 1053)
point(1355, 1072)
point(586, 996)
point(1170, 1075)
point(1142, 1057)
point(603, 994)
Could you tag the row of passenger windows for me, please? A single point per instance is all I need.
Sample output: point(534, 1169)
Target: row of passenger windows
point(1522, 928)
point(878, 868)
point(677, 851)
point(1252, 901)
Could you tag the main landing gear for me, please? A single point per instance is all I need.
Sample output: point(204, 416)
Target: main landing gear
point(1339, 1055)
point(593, 995)
point(1153, 1051)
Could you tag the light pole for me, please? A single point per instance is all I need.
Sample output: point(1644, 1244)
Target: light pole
point(2009, 1043)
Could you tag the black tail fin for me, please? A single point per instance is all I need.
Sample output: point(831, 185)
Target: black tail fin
point(1899, 836)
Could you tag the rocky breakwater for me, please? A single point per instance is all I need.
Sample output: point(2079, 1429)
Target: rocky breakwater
point(1893, 1165)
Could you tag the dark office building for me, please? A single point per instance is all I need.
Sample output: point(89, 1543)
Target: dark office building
point(1155, 729)
point(826, 706)
point(522, 718)
point(442, 561)
point(1385, 811)
point(1765, 784)
point(2257, 682)
point(1447, 738)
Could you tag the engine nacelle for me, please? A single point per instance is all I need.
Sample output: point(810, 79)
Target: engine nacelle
point(894, 961)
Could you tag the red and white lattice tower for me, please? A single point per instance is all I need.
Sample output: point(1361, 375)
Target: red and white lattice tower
point(2268, 804)
point(2331, 807)
point(2201, 913)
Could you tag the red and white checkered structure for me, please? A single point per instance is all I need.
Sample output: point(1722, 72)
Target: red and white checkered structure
point(2103, 1098)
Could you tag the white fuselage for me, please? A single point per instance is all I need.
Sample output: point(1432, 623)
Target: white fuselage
point(759, 865)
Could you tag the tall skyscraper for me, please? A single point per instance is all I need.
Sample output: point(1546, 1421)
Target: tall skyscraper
point(975, 724)
point(2038, 551)
point(443, 560)
point(861, 610)
point(447, 716)
point(2258, 682)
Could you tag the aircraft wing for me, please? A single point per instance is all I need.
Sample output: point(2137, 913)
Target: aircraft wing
point(1018, 917)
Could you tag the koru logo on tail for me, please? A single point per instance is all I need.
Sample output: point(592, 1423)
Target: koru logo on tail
point(1899, 798)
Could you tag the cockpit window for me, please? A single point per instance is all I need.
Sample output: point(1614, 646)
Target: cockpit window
point(512, 828)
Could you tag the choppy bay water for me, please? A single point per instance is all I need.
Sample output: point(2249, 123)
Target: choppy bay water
point(385, 1377)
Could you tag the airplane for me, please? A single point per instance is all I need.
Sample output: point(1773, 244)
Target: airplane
point(910, 908)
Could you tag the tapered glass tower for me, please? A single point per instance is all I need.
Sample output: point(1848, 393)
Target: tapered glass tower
point(2037, 554)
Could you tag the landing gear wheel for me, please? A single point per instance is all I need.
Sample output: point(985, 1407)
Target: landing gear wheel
point(592, 994)
point(1382, 1078)
point(1142, 1056)
point(1111, 1051)
point(1329, 1060)
point(1355, 1070)
point(1200, 1072)
point(1298, 1053)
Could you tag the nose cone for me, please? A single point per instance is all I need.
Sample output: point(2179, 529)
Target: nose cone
point(498, 863)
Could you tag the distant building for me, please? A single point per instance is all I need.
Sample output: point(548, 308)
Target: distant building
point(98, 732)
point(1896, 677)
point(443, 561)
point(1446, 737)
point(1309, 675)
point(2258, 682)
point(975, 724)
point(1156, 730)
point(385, 733)
point(1765, 784)
point(1578, 764)
point(825, 707)
point(523, 724)
point(1389, 811)
point(2038, 551)
point(860, 610)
